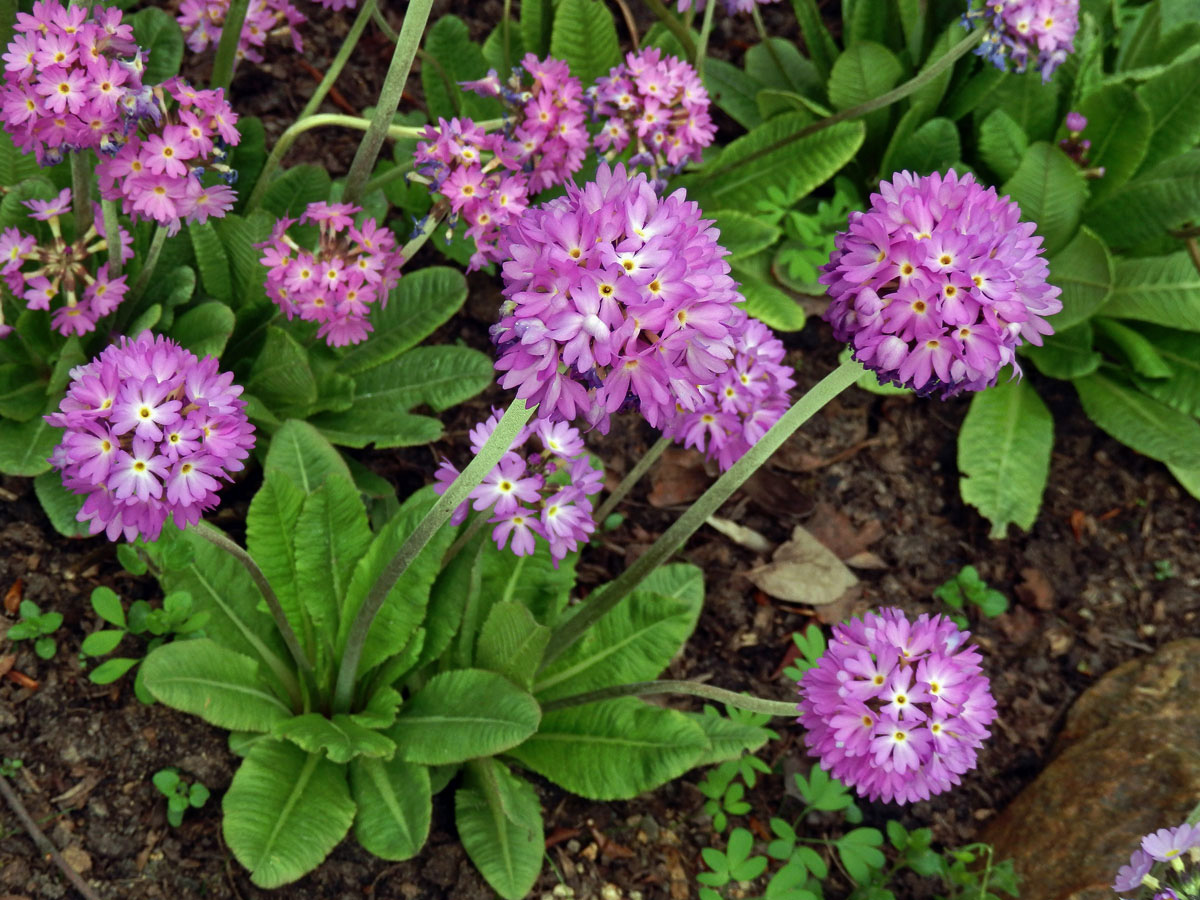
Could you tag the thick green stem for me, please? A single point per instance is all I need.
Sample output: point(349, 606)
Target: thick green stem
point(506, 34)
point(649, 458)
point(692, 688)
point(231, 33)
point(605, 598)
point(112, 234)
point(702, 44)
point(389, 98)
point(914, 84)
point(497, 445)
point(143, 279)
point(82, 165)
point(218, 539)
point(675, 26)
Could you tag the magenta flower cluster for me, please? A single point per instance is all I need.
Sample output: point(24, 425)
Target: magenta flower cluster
point(744, 402)
point(62, 268)
point(149, 431)
point(72, 80)
point(533, 494)
point(656, 104)
point(1179, 849)
point(896, 709)
point(731, 6)
point(159, 176)
point(1027, 32)
point(203, 20)
point(616, 298)
point(938, 283)
point(353, 267)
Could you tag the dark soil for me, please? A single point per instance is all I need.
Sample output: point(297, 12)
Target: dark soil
point(1109, 572)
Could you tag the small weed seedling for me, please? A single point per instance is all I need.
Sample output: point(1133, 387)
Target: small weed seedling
point(967, 587)
point(37, 626)
point(725, 794)
point(10, 766)
point(181, 795)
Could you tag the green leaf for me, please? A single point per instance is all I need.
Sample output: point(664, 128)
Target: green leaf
point(1156, 201)
point(493, 47)
point(292, 192)
point(99, 643)
point(61, 505)
point(285, 811)
point(463, 714)
point(340, 739)
point(743, 234)
point(795, 168)
point(211, 260)
point(175, 289)
point(111, 669)
point(1004, 455)
point(1181, 351)
point(1141, 422)
point(769, 304)
point(1189, 479)
point(614, 749)
point(397, 430)
point(585, 35)
point(1002, 143)
point(281, 376)
point(26, 446)
point(865, 70)
point(300, 451)
point(15, 166)
point(238, 236)
point(632, 642)
point(455, 590)
point(1173, 101)
point(394, 806)
point(222, 687)
point(931, 148)
point(458, 59)
point(204, 329)
point(511, 643)
point(270, 540)
point(1118, 127)
point(537, 23)
point(1031, 104)
point(157, 33)
point(1066, 354)
point(421, 302)
point(821, 46)
point(785, 69)
point(1051, 192)
point(1161, 289)
point(499, 822)
point(249, 156)
point(859, 850)
point(22, 391)
point(821, 791)
point(733, 91)
point(1139, 353)
point(1084, 271)
point(533, 580)
point(727, 738)
point(108, 605)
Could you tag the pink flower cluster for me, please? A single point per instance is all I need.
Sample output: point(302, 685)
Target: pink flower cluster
point(488, 178)
point(896, 709)
point(160, 176)
point(616, 298)
point(1025, 31)
point(352, 268)
point(1179, 848)
point(203, 20)
point(744, 402)
point(72, 81)
point(936, 285)
point(61, 268)
point(658, 105)
point(541, 494)
point(149, 430)
point(731, 6)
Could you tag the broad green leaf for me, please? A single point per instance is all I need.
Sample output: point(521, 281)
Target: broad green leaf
point(69, 357)
point(204, 329)
point(1051, 192)
point(532, 580)
point(537, 23)
point(281, 376)
point(1161, 289)
point(420, 303)
point(1002, 143)
point(1173, 100)
point(1031, 104)
point(1118, 127)
point(933, 147)
point(613, 750)
point(632, 642)
point(774, 159)
point(454, 592)
point(1066, 354)
point(270, 539)
point(926, 99)
point(1181, 351)
point(156, 32)
point(61, 505)
point(1084, 271)
point(285, 811)
point(1156, 201)
point(291, 192)
point(455, 58)
point(733, 91)
point(742, 233)
point(822, 49)
point(239, 235)
point(463, 714)
point(727, 738)
point(394, 806)
point(107, 604)
point(404, 607)
point(26, 446)
point(299, 451)
point(1141, 422)
point(785, 68)
point(439, 377)
point(99, 643)
point(585, 35)
point(1004, 455)
point(222, 687)
point(174, 290)
point(769, 304)
point(22, 392)
point(1189, 479)
point(1139, 353)
point(15, 166)
point(865, 70)
point(211, 260)
point(511, 643)
point(13, 211)
point(493, 47)
point(499, 822)
point(859, 850)
point(249, 156)
point(398, 430)
point(340, 738)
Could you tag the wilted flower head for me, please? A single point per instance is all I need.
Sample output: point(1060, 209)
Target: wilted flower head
point(658, 105)
point(1025, 31)
point(896, 709)
point(616, 297)
point(69, 270)
point(149, 430)
point(744, 402)
point(1176, 853)
point(336, 285)
point(938, 283)
point(203, 20)
point(539, 492)
point(72, 80)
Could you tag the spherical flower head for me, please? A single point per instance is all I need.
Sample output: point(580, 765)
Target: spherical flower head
point(896, 708)
point(148, 431)
point(1041, 32)
point(539, 491)
point(616, 298)
point(938, 283)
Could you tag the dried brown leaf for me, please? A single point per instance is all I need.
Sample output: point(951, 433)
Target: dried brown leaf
point(804, 570)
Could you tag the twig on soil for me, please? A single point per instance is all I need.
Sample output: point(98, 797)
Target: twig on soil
point(43, 843)
point(334, 94)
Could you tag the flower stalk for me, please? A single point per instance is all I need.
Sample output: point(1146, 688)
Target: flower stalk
point(649, 458)
point(231, 33)
point(667, 686)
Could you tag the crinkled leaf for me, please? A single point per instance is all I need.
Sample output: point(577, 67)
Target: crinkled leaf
point(1159, 199)
point(585, 35)
point(1118, 127)
point(1084, 271)
point(61, 505)
point(1051, 192)
point(499, 822)
point(339, 738)
point(1141, 422)
point(1160, 289)
point(511, 643)
point(394, 806)
point(1002, 143)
